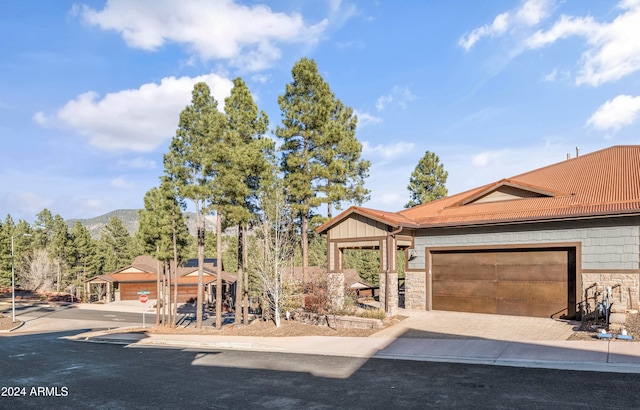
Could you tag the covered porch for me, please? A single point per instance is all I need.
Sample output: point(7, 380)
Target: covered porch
point(359, 228)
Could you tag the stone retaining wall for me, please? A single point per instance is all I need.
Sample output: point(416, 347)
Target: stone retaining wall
point(337, 322)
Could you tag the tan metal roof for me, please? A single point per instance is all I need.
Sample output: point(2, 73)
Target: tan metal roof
point(602, 183)
point(133, 277)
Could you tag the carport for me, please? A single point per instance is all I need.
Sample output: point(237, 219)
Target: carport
point(361, 228)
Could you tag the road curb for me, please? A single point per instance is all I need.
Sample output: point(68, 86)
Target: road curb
point(19, 325)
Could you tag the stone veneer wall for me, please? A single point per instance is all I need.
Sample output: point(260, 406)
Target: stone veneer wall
point(625, 289)
point(415, 296)
point(393, 296)
point(607, 245)
point(335, 285)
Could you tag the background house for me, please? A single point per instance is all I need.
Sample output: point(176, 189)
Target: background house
point(141, 275)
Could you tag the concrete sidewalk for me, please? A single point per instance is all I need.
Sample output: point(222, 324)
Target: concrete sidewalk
point(602, 356)
point(427, 336)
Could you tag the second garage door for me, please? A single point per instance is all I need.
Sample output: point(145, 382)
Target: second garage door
point(536, 282)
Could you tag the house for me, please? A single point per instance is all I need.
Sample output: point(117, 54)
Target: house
point(534, 244)
point(141, 275)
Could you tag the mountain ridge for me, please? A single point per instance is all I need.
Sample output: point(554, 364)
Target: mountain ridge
point(130, 219)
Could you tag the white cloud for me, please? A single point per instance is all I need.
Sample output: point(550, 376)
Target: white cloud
point(260, 78)
point(138, 163)
point(551, 76)
point(247, 36)
point(383, 101)
point(613, 51)
point(388, 151)
point(496, 28)
point(40, 118)
point(400, 96)
point(138, 119)
point(121, 182)
point(533, 12)
point(364, 118)
point(615, 114)
point(485, 159)
point(530, 13)
point(556, 75)
point(28, 202)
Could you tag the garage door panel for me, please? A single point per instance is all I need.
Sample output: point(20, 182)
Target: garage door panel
point(557, 273)
point(554, 257)
point(465, 272)
point(519, 281)
point(534, 292)
point(464, 258)
point(522, 307)
point(465, 304)
point(129, 291)
point(465, 289)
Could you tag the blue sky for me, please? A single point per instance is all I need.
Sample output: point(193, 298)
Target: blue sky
point(91, 91)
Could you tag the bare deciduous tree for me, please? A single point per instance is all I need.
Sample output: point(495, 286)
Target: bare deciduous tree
point(276, 241)
point(41, 273)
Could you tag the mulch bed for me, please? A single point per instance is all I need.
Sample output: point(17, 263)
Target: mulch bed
point(263, 328)
point(6, 323)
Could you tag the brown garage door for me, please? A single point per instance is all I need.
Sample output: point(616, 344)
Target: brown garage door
point(129, 291)
point(507, 282)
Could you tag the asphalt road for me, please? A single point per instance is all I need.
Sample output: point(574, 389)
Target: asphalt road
point(47, 371)
point(72, 313)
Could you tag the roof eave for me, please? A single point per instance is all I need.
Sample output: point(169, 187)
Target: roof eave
point(517, 221)
point(322, 229)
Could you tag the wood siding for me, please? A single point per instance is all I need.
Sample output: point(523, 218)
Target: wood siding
point(357, 226)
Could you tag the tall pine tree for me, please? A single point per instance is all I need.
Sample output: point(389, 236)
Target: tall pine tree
point(83, 255)
point(163, 232)
point(191, 164)
point(344, 171)
point(115, 247)
point(245, 153)
point(427, 182)
point(320, 151)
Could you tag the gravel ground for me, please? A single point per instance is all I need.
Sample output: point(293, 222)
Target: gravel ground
point(589, 329)
point(6, 323)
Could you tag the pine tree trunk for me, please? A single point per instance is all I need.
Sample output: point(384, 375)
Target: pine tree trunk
point(175, 279)
point(164, 294)
point(239, 280)
point(305, 247)
point(219, 271)
point(158, 289)
point(245, 311)
point(59, 275)
point(200, 224)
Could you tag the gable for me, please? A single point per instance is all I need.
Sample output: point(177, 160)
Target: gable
point(505, 193)
point(195, 273)
point(133, 269)
point(358, 226)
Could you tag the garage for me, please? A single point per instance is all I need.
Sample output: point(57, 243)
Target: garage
point(129, 291)
point(521, 282)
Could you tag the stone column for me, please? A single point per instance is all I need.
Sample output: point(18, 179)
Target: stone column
point(335, 285)
point(393, 293)
point(415, 293)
